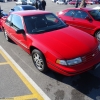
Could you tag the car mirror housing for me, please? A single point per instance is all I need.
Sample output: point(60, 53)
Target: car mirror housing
point(19, 31)
point(88, 18)
point(12, 9)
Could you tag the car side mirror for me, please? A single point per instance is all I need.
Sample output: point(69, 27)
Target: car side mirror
point(20, 31)
point(88, 18)
point(12, 9)
point(11, 24)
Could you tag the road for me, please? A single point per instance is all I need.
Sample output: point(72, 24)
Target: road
point(85, 86)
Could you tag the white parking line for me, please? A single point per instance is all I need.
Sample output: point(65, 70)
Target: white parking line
point(39, 90)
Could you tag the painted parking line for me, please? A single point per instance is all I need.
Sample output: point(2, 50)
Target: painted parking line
point(37, 93)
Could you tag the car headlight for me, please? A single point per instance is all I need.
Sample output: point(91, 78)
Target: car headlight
point(99, 47)
point(69, 62)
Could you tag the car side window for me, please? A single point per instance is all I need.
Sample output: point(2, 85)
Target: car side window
point(69, 13)
point(84, 14)
point(8, 20)
point(80, 14)
point(17, 22)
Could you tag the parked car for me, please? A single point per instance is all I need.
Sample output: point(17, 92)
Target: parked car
point(89, 2)
point(73, 2)
point(3, 0)
point(97, 7)
point(32, 2)
point(96, 1)
point(2, 14)
point(21, 2)
point(60, 2)
point(53, 0)
point(52, 43)
point(22, 7)
point(25, 2)
point(86, 19)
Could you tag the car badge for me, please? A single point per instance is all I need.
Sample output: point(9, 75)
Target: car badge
point(93, 55)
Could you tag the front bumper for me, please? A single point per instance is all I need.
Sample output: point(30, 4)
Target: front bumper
point(86, 65)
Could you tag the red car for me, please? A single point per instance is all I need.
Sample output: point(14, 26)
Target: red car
point(52, 43)
point(73, 2)
point(89, 2)
point(86, 19)
point(2, 14)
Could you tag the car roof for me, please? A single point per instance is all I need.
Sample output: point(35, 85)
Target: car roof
point(86, 9)
point(30, 12)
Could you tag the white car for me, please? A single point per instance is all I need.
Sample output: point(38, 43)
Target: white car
point(25, 2)
point(60, 2)
point(53, 0)
point(21, 2)
point(97, 7)
point(31, 2)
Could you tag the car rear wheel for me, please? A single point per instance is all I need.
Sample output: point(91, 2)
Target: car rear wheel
point(97, 35)
point(6, 36)
point(39, 60)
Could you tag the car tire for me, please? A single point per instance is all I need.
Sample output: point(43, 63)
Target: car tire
point(97, 35)
point(6, 36)
point(39, 60)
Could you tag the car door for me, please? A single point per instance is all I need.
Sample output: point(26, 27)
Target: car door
point(77, 19)
point(80, 21)
point(68, 17)
point(16, 24)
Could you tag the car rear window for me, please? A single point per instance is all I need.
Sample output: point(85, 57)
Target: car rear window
point(29, 8)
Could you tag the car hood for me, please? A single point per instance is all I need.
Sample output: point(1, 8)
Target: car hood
point(67, 42)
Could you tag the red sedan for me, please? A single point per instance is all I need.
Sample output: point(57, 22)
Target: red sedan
point(52, 43)
point(73, 2)
point(86, 19)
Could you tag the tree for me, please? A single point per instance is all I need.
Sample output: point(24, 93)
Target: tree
point(83, 4)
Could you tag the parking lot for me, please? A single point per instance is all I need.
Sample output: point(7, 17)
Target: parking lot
point(20, 80)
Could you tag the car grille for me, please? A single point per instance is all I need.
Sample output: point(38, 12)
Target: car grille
point(91, 55)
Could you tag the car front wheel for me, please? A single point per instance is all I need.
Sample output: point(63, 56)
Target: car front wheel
point(39, 60)
point(97, 35)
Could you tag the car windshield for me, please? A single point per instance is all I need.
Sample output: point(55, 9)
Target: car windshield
point(43, 23)
point(95, 14)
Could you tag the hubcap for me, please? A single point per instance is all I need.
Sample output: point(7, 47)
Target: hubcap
point(98, 36)
point(38, 61)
